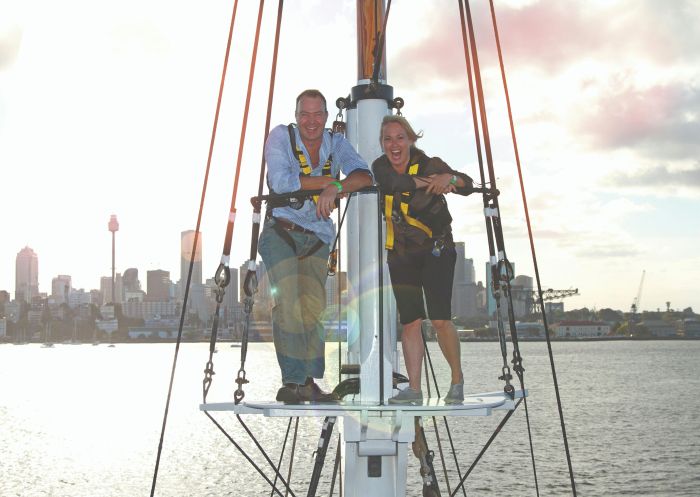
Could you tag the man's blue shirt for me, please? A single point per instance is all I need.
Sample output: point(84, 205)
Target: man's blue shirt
point(283, 174)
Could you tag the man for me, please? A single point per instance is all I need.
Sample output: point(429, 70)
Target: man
point(295, 240)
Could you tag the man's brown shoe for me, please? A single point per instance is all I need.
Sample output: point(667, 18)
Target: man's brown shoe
point(311, 392)
point(289, 394)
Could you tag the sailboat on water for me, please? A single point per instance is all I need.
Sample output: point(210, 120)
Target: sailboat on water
point(376, 435)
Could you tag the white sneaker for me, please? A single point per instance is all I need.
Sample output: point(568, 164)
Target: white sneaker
point(456, 394)
point(408, 396)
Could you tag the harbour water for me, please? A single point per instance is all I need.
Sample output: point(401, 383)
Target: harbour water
point(85, 421)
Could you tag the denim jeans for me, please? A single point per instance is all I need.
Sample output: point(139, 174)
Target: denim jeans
point(297, 284)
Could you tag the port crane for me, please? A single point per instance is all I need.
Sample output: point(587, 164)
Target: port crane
point(532, 300)
point(636, 302)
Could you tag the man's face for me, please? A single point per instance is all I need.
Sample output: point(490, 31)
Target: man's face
point(311, 119)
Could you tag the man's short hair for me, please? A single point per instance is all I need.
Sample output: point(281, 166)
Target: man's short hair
point(311, 94)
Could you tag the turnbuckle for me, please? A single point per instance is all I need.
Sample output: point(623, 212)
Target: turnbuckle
point(240, 380)
point(206, 382)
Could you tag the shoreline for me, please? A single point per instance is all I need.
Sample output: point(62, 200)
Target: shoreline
point(462, 339)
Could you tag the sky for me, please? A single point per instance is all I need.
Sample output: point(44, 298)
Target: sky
point(108, 107)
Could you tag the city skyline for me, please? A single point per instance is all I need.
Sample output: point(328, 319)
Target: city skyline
point(605, 101)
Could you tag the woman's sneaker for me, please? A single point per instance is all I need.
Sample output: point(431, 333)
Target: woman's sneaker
point(456, 394)
point(408, 396)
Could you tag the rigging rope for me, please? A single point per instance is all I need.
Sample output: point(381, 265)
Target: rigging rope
point(532, 248)
point(492, 211)
point(194, 249)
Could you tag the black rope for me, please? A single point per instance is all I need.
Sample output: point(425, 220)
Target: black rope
point(494, 223)
point(250, 460)
point(532, 249)
point(264, 454)
point(194, 250)
point(486, 201)
point(486, 446)
point(336, 467)
point(284, 445)
point(270, 96)
point(444, 418)
point(294, 449)
point(517, 359)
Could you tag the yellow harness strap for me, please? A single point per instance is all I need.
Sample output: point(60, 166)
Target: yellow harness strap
point(303, 164)
point(389, 207)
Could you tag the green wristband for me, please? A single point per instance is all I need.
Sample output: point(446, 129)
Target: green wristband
point(338, 185)
point(453, 180)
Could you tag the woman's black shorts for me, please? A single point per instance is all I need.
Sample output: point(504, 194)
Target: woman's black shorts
point(415, 272)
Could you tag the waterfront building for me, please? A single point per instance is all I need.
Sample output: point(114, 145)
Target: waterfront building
point(3, 327)
point(691, 328)
point(521, 288)
point(490, 301)
point(106, 289)
point(149, 310)
point(130, 280)
point(77, 298)
point(26, 275)
point(61, 288)
point(186, 245)
point(659, 328)
point(581, 329)
point(464, 290)
point(157, 285)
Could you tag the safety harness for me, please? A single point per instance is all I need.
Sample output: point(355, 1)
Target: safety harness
point(404, 200)
point(304, 166)
point(304, 170)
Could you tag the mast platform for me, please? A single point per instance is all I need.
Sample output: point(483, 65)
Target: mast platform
point(481, 404)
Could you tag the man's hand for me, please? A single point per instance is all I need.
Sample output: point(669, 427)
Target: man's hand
point(326, 201)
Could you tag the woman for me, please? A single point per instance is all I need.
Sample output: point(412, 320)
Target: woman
point(421, 253)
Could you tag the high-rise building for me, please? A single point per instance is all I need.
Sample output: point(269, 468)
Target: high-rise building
point(60, 288)
point(186, 244)
point(264, 291)
point(130, 280)
point(106, 289)
point(490, 301)
point(157, 286)
point(26, 275)
point(463, 287)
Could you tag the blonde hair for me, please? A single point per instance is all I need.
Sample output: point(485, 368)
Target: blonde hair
point(401, 121)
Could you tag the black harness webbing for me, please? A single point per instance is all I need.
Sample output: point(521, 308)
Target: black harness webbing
point(284, 235)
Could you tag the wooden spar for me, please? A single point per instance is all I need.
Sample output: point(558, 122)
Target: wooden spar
point(370, 21)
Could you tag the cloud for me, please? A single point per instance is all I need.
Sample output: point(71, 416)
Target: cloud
point(553, 35)
point(10, 40)
point(663, 119)
point(660, 176)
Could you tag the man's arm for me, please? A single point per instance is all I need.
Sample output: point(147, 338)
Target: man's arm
point(282, 173)
point(357, 176)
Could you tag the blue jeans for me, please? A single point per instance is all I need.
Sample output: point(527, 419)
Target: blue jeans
point(298, 287)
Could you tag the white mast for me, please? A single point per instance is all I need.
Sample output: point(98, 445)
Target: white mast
point(375, 460)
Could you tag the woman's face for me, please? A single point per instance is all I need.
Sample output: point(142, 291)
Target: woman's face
point(396, 144)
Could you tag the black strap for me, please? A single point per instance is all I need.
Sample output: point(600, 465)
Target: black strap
point(284, 235)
